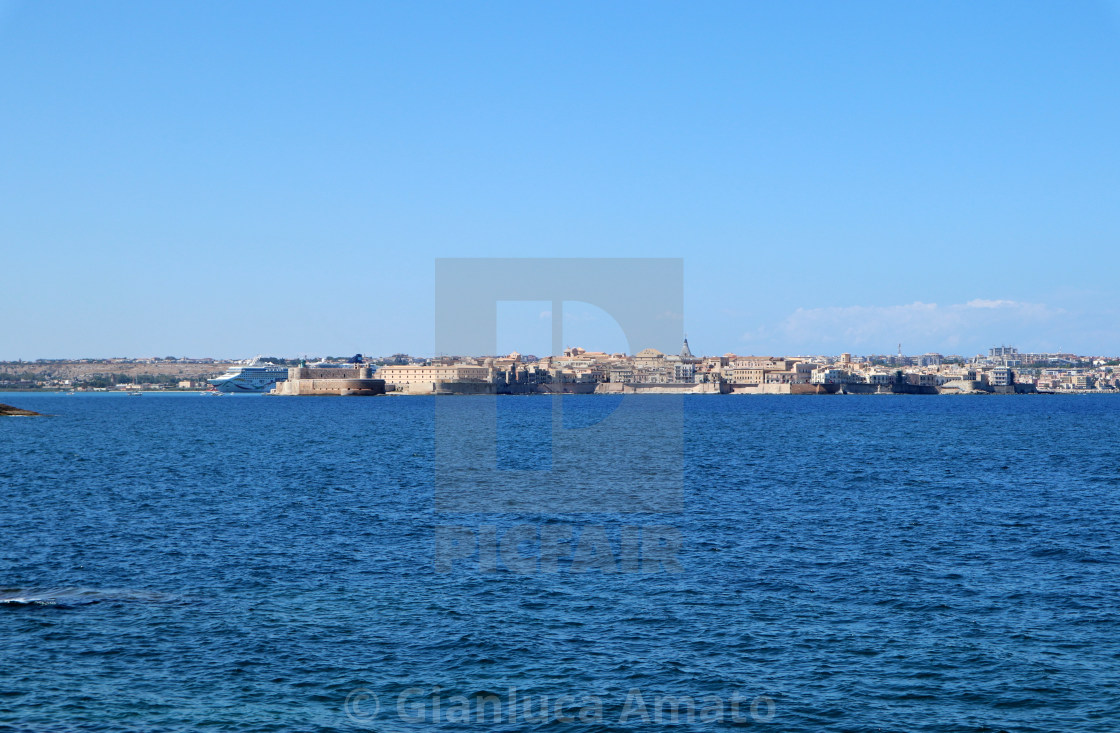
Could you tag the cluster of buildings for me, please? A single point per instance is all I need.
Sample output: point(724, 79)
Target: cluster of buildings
point(1004, 369)
point(577, 370)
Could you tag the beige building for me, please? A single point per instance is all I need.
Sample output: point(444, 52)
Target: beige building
point(423, 379)
point(745, 374)
point(647, 358)
point(785, 376)
point(760, 362)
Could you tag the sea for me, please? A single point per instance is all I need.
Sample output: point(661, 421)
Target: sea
point(180, 562)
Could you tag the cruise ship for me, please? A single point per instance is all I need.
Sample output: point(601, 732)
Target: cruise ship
point(256, 377)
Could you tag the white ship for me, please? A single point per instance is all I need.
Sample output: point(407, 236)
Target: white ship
point(253, 378)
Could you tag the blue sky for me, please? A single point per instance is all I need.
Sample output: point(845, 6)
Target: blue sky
point(227, 179)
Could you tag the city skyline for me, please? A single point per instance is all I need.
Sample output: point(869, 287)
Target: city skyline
point(1004, 370)
point(544, 354)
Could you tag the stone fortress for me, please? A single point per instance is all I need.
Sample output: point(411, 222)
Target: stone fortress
point(356, 381)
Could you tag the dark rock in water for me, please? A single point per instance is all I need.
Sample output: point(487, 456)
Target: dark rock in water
point(8, 410)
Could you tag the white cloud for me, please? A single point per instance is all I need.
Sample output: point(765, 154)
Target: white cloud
point(981, 303)
point(924, 326)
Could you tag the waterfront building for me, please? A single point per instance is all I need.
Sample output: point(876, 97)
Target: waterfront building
point(622, 373)
point(745, 375)
point(329, 381)
point(684, 372)
point(922, 379)
point(879, 377)
point(785, 376)
point(1001, 377)
point(828, 375)
point(424, 379)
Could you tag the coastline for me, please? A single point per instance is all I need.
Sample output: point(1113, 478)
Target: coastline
point(650, 393)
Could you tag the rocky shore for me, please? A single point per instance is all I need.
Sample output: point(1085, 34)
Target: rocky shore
point(9, 411)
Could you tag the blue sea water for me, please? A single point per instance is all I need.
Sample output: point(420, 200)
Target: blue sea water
point(848, 564)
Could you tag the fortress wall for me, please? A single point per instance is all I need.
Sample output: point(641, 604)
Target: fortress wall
point(328, 373)
point(330, 387)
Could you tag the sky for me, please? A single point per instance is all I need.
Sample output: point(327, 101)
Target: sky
point(230, 179)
